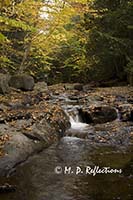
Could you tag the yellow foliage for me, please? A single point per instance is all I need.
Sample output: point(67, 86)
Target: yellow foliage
point(4, 3)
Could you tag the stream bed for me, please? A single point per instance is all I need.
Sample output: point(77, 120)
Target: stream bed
point(70, 168)
point(40, 178)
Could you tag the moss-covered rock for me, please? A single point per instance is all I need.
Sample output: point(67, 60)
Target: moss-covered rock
point(22, 81)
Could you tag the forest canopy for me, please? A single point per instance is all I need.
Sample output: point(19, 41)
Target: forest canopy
point(67, 40)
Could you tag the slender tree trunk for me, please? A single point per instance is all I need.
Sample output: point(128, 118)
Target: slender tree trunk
point(25, 56)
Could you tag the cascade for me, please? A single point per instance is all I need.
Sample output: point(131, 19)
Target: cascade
point(75, 120)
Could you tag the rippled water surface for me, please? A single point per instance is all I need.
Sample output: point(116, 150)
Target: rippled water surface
point(37, 180)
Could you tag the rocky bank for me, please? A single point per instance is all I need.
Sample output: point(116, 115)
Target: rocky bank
point(29, 122)
point(32, 120)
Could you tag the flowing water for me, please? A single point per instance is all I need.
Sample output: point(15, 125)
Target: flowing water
point(75, 120)
point(52, 174)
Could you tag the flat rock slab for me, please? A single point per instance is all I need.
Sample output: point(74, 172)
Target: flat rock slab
point(17, 150)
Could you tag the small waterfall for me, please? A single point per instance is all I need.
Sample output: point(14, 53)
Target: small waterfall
point(75, 120)
point(77, 124)
point(118, 115)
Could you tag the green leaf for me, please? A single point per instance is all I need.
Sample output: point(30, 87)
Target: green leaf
point(3, 38)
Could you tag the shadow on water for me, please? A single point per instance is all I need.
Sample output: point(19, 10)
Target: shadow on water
point(37, 180)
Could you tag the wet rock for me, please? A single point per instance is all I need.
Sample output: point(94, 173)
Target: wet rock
point(98, 114)
point(23, 82)
point(4, 87)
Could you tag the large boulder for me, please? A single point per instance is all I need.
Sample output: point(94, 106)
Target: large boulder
point(30, 134)
point(4, 87)
point(16, 150)
point(23, 81)
point(98, 114)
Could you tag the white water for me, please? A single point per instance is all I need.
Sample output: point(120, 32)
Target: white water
point(75, 121)
point(77, 125)
point(118, 115)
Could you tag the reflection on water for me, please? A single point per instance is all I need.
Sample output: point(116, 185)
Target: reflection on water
point(36, 179)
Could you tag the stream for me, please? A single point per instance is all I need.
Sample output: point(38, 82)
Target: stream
point(59, 172)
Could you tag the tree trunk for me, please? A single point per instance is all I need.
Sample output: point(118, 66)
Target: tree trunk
point(25, 56)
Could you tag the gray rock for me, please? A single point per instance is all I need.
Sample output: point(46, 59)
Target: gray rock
point(4, 87)
point(41, 87)
point(18, 149)
point(98, 114)
point(22, 81)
